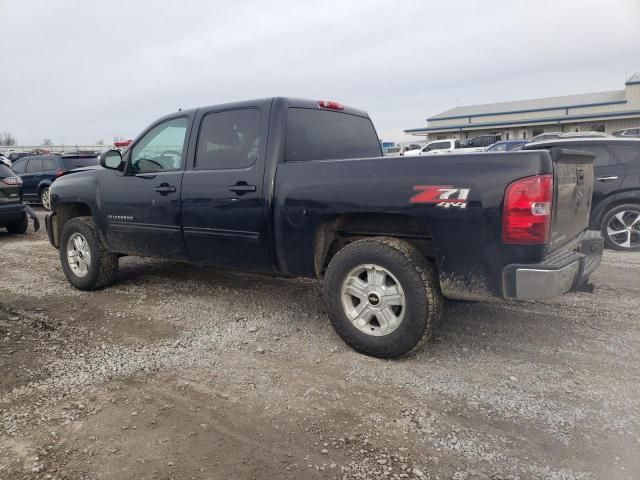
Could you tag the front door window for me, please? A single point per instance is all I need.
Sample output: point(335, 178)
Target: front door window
point(161, 148)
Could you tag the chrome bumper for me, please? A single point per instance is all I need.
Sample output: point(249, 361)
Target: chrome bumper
point(562, 272)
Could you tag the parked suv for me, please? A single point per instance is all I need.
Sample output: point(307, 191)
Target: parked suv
point(14, 213)
point(616, 195)
point(39, 172)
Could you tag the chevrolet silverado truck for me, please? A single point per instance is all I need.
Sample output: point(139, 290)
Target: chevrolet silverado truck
point(301, 188)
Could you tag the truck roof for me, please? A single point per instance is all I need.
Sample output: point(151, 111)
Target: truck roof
point(292, 102)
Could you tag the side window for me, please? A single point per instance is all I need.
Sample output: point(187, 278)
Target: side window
point(19, 166)
point(35, 165)
point(439, 146)
point(627, 153)
point(161, 148)
point(228, 139)
point(48, 164)
point(603, 157)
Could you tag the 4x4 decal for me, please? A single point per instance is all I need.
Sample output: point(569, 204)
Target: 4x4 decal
point(444, 196)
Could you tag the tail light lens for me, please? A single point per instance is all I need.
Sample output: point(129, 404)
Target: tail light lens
point(527, 210)
point(330, 105)
point(12, 181)
point(59, 172)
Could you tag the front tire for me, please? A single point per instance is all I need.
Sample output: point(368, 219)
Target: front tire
point(621, 228)
point(86, 262)
point(382, 295)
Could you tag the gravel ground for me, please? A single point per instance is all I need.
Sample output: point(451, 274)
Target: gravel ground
point(192, 373)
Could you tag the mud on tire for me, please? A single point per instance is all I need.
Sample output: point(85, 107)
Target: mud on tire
point(103, 265)
point(406, 266)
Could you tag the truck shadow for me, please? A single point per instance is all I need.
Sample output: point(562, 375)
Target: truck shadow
point(465, 328)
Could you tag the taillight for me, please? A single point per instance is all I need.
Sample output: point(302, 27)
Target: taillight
point(527, 210)
point(59, 172)
point(331, 105)
point(12, 181)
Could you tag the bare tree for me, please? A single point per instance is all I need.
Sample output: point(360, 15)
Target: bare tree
point(7, 139)
point(47, 142)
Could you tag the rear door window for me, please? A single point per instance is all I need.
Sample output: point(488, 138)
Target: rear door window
point(325, 135)
point(228, 139)
point(34, 165)
point(49, 164)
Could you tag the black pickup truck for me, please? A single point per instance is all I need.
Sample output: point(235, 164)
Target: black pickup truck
point(300, 188)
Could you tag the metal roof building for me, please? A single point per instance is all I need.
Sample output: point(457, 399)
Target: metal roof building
point(599, 111)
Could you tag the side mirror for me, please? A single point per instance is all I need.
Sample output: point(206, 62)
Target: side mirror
point(111, 159)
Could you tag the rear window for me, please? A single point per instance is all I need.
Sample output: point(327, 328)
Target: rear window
point(326, 135)
point(77, 162)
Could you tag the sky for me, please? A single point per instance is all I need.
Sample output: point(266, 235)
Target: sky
point(76, 72)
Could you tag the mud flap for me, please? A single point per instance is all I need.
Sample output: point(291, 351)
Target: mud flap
point(34, 217)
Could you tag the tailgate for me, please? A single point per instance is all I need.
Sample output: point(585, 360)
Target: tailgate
point(573, 180)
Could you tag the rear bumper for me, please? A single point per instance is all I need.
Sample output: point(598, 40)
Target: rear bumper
point(563, 271)
point(11, 213)
point(15, 212)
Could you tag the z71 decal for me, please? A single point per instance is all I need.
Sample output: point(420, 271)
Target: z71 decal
point(444, 196)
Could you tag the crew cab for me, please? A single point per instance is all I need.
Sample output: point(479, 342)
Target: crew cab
point(301, 188)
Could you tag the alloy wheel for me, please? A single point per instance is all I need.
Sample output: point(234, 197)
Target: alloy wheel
point(373, 300)
point(78, 255)
point(623, 229)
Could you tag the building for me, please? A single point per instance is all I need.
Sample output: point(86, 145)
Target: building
point(600, 111)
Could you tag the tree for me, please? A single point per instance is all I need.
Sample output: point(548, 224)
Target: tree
point(7, 139)
point(47, 142)
point(100, 142)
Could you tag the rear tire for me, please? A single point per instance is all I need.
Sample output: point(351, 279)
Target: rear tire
point(621, 228)
point(19, 227)
point(86, 262)
point(383, 296)
point(45, 198)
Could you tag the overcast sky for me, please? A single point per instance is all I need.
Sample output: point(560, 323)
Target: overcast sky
point(78, 71)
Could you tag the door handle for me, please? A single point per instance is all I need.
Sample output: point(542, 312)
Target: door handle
point(242, 187)
point(165, 188)
point(606, 179)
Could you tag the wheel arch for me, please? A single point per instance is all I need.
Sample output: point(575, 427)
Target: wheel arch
point(64, 212)
point(335, 233)
point(597, 216)
point(42, 185)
